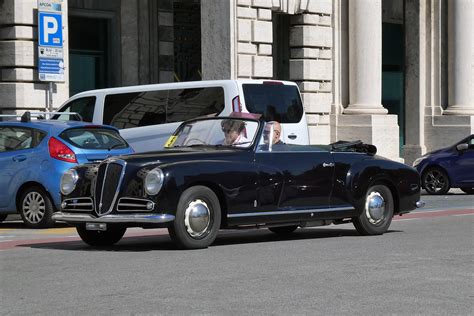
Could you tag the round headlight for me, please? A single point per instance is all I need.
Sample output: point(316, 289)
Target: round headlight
point(154, 181)
point(68, 181)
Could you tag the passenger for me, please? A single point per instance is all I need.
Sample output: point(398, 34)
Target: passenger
point(277, 143)
point(276, 133)
point(233, 133)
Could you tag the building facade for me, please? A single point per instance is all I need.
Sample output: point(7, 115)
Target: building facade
point(395, 73)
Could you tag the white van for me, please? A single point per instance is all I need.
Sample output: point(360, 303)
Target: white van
point(147, 114)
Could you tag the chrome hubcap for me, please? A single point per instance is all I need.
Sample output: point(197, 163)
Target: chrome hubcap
point(375, 208)
point(34, 207)
point(197, 218)
point(434, 181)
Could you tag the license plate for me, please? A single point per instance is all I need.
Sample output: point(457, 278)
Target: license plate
point(96, 226)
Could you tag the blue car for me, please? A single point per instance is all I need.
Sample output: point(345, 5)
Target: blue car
point(35, 154)
point(451, 167)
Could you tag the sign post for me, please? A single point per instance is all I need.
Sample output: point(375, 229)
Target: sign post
point(50, 44)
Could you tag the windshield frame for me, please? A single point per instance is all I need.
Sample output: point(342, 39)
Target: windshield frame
point(254, 141)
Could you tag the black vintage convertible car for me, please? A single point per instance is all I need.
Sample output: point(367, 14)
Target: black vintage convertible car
point(204, 181)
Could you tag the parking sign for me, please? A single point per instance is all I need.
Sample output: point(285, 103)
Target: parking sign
point(50, 40)
point(50, 28)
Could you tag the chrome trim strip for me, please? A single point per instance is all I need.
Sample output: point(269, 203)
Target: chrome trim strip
point(99, 211)
point(308, 151)
point(138, 207)
point(83, 201)
point(117, 189)
point(131, 205)
point(317, 210)
point(132, 218)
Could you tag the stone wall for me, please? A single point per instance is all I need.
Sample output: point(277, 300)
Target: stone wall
point(310, 52)
point(20, 88)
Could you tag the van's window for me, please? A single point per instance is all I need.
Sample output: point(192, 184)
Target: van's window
point(94, 138)
point(84, 106)
point(126, 110)
point(135, 109)
point(275, 102)
point(185, 104)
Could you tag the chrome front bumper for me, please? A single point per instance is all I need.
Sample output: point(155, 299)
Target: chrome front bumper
point(113, 219)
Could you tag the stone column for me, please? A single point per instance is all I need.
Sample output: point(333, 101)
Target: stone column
point(365, 118)
point(417, 79)
point(365, 57)
point(460, 57)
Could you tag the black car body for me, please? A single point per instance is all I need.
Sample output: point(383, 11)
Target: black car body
point(202, 185)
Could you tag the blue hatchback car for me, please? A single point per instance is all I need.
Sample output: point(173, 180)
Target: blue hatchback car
point(451, 167)
point(35, 154)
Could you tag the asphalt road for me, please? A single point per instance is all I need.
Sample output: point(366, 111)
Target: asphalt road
point(423, 265)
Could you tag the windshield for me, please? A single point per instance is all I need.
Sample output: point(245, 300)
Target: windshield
point(228, 132)
point(94, 138)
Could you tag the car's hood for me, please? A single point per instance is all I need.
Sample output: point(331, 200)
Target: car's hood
point(440, 152)
point(183, 154)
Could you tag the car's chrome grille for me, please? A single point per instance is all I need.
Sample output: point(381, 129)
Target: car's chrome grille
point(107, 186)
point(78, 205)
point(135, 205)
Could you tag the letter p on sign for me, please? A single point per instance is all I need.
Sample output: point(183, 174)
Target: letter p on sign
point(50, 29)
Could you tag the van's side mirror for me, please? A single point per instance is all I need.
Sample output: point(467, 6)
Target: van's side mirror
point(462, 147)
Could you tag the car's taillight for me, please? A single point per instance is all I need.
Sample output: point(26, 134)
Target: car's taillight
point(58, 150)
point(236, 106)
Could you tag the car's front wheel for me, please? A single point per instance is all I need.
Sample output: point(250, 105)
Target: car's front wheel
point(435, 181)
point(97, 238)
point(468, 190)
point(198, 218)
point(35, 208)
point(377, 212)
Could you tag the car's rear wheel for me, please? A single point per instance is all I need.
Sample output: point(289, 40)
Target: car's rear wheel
point(97, 238)
point(468, 190)
point(283, 230)
point(435, 181)
point(35, 208)
point(198, 218)
point(377, 212)
point(3, 217)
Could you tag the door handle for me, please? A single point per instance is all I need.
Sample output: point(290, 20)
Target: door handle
point(19, 158)
point(292, 136)
point(328, 164)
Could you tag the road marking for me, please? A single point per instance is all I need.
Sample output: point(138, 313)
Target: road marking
point(58, 231)
point(13, 243)
point(430, 214)
point(8, 244)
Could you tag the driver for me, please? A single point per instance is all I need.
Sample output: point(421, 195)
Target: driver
point(233, 135)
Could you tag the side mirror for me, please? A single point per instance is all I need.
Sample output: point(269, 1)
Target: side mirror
point(462, 147)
